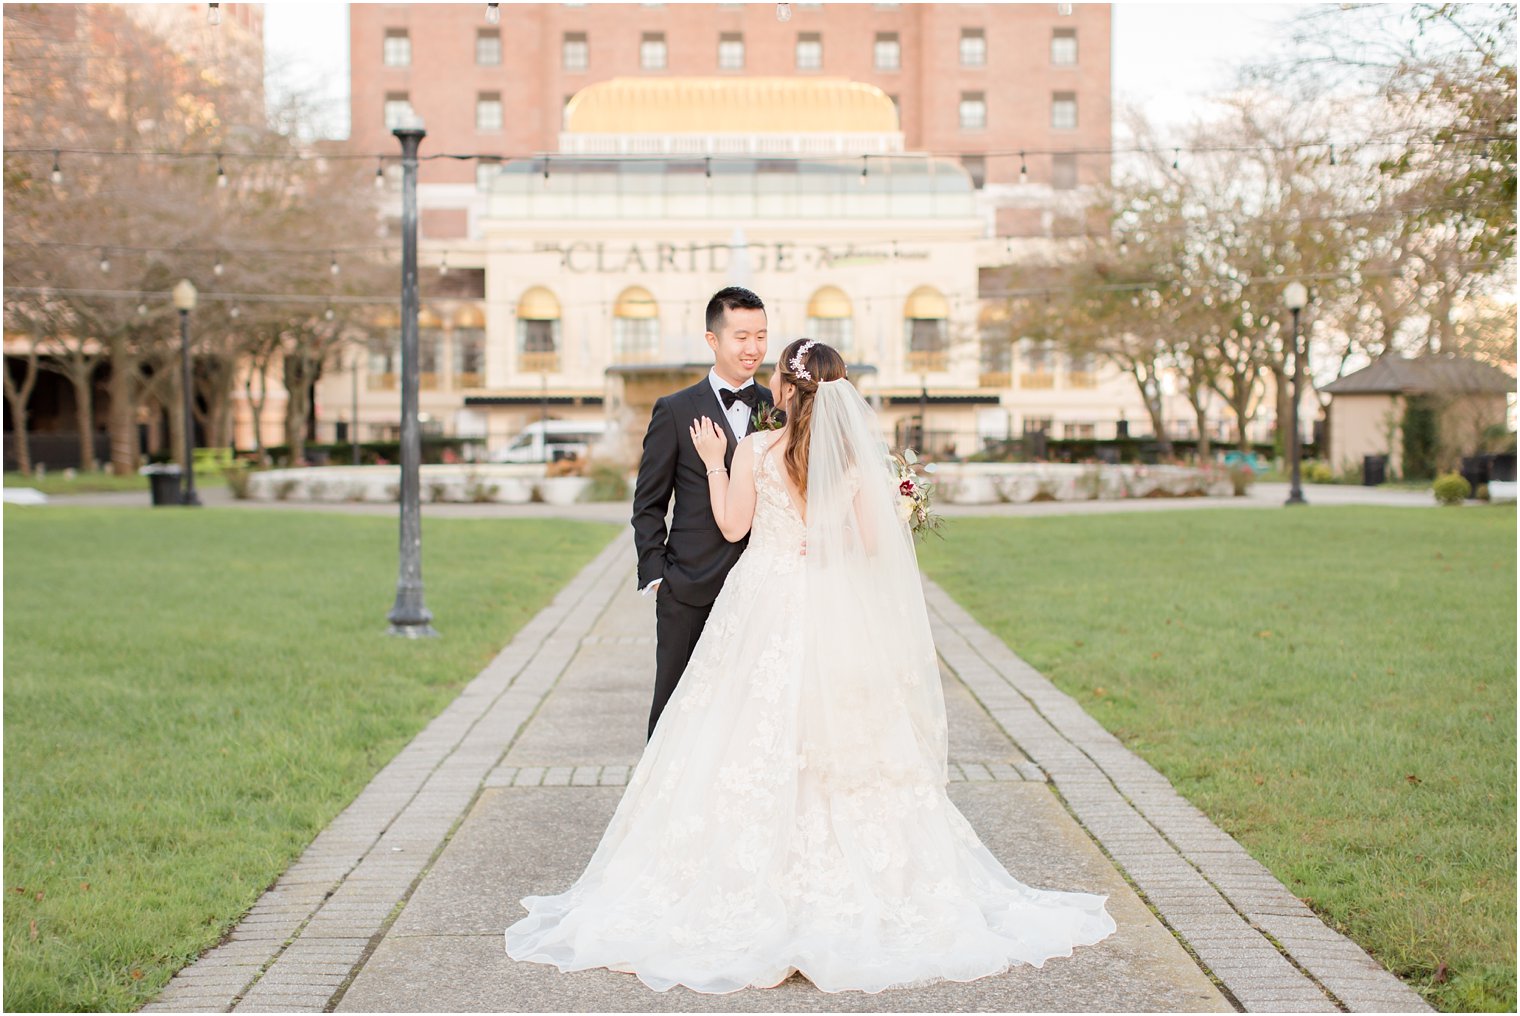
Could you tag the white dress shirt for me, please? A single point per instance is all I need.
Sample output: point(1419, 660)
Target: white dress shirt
point(739, 415)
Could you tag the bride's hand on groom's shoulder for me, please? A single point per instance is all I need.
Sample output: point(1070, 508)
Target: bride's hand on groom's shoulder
point(710, 441)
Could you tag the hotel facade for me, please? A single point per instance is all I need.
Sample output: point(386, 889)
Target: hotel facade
point(856, 166)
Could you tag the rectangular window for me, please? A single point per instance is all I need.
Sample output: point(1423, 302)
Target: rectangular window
point(1063, 47)
point(488, 47)
point(1063, 111)
point(398, 48)
point(1063, 171)
point(398, 109)
point(888, 52)
point(575, 52)
point(730, 51)
point(973, 111)
point(976, 166)
point(809, 51)
point(488, 111)
point(973, 47)
point(652, 51)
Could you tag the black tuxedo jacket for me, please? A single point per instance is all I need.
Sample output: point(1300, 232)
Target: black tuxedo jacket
point(693, 557)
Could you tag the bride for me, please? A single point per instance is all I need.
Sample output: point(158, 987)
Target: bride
point(789, 813)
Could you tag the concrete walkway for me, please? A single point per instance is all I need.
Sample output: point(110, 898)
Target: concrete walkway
point(400, 904)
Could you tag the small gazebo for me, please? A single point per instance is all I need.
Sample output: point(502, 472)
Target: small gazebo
point(1367, 407)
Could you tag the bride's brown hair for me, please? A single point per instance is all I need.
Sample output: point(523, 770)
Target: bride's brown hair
point(822, 363)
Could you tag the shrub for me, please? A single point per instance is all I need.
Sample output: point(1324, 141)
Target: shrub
point(1316, 471)
point(608, 483)
point(1451, 488)
point(237, 477)
point(1241, 478)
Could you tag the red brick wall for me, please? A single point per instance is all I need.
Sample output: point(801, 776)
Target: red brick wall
point(1018, 79)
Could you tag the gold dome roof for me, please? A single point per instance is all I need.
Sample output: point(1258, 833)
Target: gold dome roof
point(730, 106)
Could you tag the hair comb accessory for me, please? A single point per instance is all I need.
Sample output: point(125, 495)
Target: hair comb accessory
point(795, 363)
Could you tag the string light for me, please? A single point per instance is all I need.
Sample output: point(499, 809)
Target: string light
point(443, 266)
point(217, 269)
point(333, 267)
point(235, 312)
point(379, 173)
point(1176, 154)
point(221, 174)
point(707, 171)
point(214, 14)
point(865, 168)
point(493, 14)
point(546, 171)
point(328, 313)
point(1023, 169)
point(105, 262)
point(1332, 155)
point(57, 175)
point(142, 309)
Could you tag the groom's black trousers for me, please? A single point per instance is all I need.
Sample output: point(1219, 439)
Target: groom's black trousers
point(677, 627)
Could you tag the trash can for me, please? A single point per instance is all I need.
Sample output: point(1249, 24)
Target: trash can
point(1476, 470)
point(1374, 470)
point(164, 482)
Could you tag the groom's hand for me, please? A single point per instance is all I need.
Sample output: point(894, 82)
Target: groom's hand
point(710, 442)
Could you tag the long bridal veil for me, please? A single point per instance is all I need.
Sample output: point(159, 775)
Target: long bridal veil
point(866, 641)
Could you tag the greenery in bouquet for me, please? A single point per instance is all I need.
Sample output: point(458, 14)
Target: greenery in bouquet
point(915, 496)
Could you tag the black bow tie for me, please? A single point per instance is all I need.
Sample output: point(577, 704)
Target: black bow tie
point(749, 395)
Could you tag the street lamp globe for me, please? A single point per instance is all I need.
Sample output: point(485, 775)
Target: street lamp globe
point(184, 295)
point(1295, 296)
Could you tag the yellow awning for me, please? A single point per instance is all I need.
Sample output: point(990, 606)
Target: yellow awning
point(636, 302)
point(730, 106)
point(926, 302)
point(538, 304)
point(830, 302)
point(470, 316)
point(427, 318)
point(993, 314)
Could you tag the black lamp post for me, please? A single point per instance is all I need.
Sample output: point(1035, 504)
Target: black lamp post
point(353, 425)
point(184, 302)
point(1295, 296)
point(409, 617)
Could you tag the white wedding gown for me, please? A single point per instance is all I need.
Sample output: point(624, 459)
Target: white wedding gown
point(787, 818)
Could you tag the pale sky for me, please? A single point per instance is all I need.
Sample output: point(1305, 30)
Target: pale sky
point(1167, 58)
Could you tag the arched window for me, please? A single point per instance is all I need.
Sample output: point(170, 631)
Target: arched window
point(926, 327)
point(469, 347)
point(635, 327)
point(996, 339)
point(831, 319)
point(538, 331)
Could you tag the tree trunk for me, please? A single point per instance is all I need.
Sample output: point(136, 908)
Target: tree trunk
point(18, 397)
point(84, 415)
point(297, 397)
point(1141, 375)
point(126, 397)
point(1204, 448)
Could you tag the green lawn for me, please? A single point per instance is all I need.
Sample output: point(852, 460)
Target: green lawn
point(190, 697)
point(1334, 686)
point(100, 483)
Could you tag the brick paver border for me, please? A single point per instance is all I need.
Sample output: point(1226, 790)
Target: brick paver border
point(1260, 942)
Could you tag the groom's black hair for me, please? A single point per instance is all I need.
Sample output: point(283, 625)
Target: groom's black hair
point(731, 298)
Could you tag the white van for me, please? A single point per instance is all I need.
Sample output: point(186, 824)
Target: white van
point(550, 440)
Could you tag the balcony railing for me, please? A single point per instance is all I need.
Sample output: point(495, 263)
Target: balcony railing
point(538, 363)
point(468, 379)
point(1082, 379)
point(1041, 379)
point(382, 382)
point(995, 379)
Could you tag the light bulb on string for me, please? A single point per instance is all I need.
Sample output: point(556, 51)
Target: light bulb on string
point(142, 309)
point(493, 14)
point(333, 267)
point(707, 170)
point(236, 311)
point(1023, 169)
point(865, 169)
point(443, 266)
point(105, 262)
point(328, 313)
point(214, 14)
point(57, 175)
point(546, 172)
point(783, 12)
point(221, 174)
point(217, 269)
point(379, 173)
point(1176, 154)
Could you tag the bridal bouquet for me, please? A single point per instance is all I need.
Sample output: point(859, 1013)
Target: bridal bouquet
point(915, 497)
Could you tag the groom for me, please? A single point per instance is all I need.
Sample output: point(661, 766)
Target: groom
point(685, 566)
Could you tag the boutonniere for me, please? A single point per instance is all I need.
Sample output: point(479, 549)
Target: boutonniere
point(768, 417)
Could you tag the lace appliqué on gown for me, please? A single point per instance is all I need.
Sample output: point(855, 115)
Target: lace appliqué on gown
point(756, 839)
